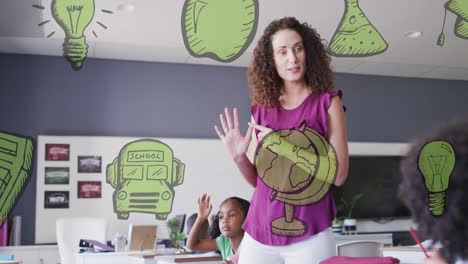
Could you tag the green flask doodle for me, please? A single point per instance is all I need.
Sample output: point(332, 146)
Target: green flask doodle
point(74, 16)
point(436, 162)
point(356, 36)
point(220, 30)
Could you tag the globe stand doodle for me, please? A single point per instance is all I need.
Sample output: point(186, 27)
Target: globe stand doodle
point(310, 165)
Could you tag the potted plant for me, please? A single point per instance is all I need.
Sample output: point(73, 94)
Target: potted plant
point(347, 209)
point(336, 226)
point(175, 235)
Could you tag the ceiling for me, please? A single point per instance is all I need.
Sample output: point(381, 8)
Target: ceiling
point(150, 30)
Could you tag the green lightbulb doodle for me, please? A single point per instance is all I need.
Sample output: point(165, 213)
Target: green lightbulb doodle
point(436, 162)
point(74, 16)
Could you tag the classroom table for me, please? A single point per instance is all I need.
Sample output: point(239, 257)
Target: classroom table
point(144, 257)
point(406, 255)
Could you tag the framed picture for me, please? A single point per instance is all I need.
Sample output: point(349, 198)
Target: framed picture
point(56, 199)
point(89, 164)
point(89, 189)
point(57, 175)
point(57, 152)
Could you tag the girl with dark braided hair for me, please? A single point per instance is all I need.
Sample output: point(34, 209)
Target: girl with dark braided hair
point(231, 215)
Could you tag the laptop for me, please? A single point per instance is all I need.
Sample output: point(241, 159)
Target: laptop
point(142, 237)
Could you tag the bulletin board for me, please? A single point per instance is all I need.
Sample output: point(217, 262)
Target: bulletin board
point(77, 176)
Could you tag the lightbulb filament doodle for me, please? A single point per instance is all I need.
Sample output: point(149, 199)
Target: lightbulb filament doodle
point(436, 162)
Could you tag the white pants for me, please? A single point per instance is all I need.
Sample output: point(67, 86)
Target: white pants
point(310, 251)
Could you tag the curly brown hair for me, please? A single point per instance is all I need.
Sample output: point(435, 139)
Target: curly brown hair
point(265, 83)
point(451, 228)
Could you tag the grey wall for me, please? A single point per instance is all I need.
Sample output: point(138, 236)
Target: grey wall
point(43, 96)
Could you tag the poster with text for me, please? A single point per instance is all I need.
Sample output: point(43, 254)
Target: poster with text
point(57, 152)
point(56, 199)
point(57, 175)
point(89, 189)
point(89, 164)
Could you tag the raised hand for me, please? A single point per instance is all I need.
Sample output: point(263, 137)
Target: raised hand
point(204, 206)
point(236, 143)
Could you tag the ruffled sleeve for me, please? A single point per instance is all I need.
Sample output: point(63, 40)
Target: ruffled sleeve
point(327, 96)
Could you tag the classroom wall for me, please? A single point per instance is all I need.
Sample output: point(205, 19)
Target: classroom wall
point(41, 95)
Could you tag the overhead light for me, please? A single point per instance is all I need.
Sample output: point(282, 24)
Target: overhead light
point(413, 34)
point(127, 7)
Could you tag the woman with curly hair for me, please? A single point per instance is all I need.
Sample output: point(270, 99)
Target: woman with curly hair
point(450, 229)
point(291, 89)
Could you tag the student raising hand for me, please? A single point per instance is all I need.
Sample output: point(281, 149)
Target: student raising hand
point(232, 213)
point(204, 206)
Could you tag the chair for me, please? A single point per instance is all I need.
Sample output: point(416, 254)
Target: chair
point(69, 231)
point(359, 249)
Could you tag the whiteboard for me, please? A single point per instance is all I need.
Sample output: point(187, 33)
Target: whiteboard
point(208, 168)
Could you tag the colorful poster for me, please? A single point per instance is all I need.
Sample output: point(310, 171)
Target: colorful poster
point(57, 175)
point(57, 152)
point(89, 189)
point(89, 164)
point(56, 199)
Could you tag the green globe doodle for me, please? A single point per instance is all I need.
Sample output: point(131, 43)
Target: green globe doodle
point(74, 16)
point(144, 175)
point(299, 166)
point(220, 30)
point(436, 162)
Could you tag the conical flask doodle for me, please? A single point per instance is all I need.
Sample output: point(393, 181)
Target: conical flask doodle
point(355, 35)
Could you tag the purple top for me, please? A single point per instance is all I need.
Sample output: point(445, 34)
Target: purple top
point(263, 211)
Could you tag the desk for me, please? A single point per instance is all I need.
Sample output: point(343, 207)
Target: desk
point(131, 257)
point(384, 238)
point(406, 255)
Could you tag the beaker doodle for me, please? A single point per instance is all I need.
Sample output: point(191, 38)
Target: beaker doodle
point(355, 35)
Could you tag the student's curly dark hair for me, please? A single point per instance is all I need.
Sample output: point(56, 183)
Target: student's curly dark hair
point(451, 228)
point(214, 228)
point(264, 81)
point(243, 204)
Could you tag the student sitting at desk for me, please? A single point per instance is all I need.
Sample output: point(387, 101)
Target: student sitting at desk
point(232, 213)
point(450, 228)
